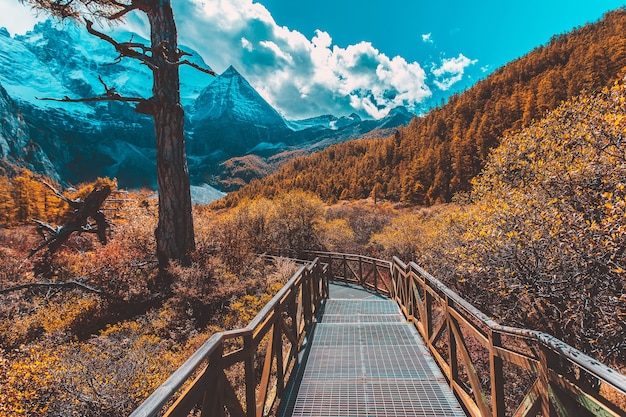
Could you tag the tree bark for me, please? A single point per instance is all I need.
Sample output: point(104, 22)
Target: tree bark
point(174, 233)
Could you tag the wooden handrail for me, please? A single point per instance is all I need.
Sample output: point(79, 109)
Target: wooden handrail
point(564, 376)
point(562, 380)
point(566, 380)
point(202, 377)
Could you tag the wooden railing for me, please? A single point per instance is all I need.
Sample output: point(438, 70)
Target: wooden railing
point(262, 355)
point(370, 273)
point(494, 370)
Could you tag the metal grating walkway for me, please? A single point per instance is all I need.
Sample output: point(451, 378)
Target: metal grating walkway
point(365, 360)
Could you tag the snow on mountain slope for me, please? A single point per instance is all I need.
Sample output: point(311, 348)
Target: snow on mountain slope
point(231, 94)
point(55, 60)
point(231, 115)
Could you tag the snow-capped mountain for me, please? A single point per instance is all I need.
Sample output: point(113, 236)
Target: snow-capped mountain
point(15, 144)
point(75, 142)
point(58, 60)
point(231, 116)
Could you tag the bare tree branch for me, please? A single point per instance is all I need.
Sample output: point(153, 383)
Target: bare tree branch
point(88, 209)
point(51, 285)
point(110, 94)
point(116, 97)
point(196, 66)
point(126, 49)
point(73, 203)
point(123, 12)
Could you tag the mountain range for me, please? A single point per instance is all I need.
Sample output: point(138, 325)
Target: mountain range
point(233, 134)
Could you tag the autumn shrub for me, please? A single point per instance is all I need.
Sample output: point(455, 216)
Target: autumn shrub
point(292, 222)
point(424, 235)
point(202, 291)
point(550, 223)
point(364, 219)
point(108, 374)
point(112, 373)
point(540, 241)
point(335, 235)
point(28, 380)
point(243, 309)
point(242, 232)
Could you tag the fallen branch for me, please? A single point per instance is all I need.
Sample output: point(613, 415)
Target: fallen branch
point(51, 285)
point(84, 213)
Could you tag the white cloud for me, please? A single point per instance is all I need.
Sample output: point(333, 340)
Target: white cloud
point(18, 18)
point(301, 77)
point(451, 71)
point(427, 38)
point(246, 44)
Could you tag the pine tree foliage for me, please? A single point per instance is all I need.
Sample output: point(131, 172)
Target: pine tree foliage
point(436, 156)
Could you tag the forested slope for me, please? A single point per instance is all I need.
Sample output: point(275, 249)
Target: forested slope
point(437, 155)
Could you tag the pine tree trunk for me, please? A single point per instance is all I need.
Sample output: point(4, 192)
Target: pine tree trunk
point(174, 233)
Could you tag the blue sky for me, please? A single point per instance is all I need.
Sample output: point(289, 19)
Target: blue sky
point(338, 56)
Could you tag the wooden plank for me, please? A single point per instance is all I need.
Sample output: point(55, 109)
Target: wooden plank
point(544, 384)
point(519, 359)
point(231, 402)
point(469, 326)
point(263, 328)
point(479, 396)
point(278, 352)
point(265, 375)
point(591, 401)
point(531, 404)
point(496, 371)
point(421, 306)
point(466, 399)
point(190, 397)
point(442, 363)
point(438, 332)
point(293, 339)
point(250, 377)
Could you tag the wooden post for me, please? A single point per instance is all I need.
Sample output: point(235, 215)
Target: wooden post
point(250, 377)
point(267, 370)
point(361, 278)
point(427, 320)
point(213, 400)
point(497, 376)
point(278, 351)
point(544, 382)
point(375, 266)
point(454, 365)
point(306, 297)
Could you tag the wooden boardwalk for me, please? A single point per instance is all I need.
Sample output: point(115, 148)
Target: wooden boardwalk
point(364, 359)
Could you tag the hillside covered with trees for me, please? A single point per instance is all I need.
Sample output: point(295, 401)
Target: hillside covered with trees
point(437, 155)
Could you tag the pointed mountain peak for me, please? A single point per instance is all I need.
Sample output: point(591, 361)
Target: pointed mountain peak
point(231, 72)
point(400, 110)
point(232, 96)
